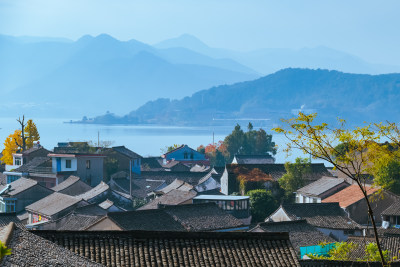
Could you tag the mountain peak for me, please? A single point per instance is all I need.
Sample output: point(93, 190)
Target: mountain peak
point(185, 40)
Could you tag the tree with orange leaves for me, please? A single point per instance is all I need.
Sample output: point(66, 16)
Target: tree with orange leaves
point(11, 147)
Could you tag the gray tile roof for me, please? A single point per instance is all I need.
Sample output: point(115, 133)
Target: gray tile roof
point(174, 197)
point(6, 218)
point(254, 159)
point(148, 220)
point(140, 187)
point(33, 149)
point(18, 186)
point(126, 152)
point(176, 249)
point(53, 204)
point(192, 178)
point(324, 215)
point(79, 222)
point(29, 249)
point(99, 189)
point(190, 217)
point(392, 210)
point(301, 233)
point(32, 164)
point(321, 186)
point(390, 243)
point(151, 163)
point(176, 184)
point(202, 217)
point(70, 181)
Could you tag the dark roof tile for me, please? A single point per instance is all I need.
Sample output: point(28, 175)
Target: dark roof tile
point(29, 249)
point(143, 248)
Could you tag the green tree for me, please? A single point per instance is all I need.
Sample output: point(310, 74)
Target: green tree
point(387, 174)
point(252, 142)
point(4, 250)
point(319, 141)
point(262, 203)
point(234, 142)
point(293, 179)
point(167, 149)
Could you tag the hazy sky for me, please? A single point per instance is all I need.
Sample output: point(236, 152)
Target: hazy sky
point(369, 29)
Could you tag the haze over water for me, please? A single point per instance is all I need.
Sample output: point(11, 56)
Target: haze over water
point(145, 140)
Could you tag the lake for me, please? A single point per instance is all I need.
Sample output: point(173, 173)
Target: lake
point(144, 140)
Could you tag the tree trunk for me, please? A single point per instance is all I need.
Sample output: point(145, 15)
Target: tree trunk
point(371, 215)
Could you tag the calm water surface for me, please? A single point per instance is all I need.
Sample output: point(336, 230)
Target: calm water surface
point(145, 140)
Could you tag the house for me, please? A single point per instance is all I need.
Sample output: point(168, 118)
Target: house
point(140, 188)
point(21, 158)
point(267, 173)
point(15, 196)
point(328, 218)
point(391, 243)
point(172, 198)
point(103, 192)
point(391, 216)
point(320, 189)
point(210, 182)
point(301, 233)
point(175, 185)
point(151, 164)
point(192, 178)
point(52, 208)
point(125, 158)
point(253, 159)
point(200, 168)
point(176, 249)
point(77, 220)
point(72, 186)
point(192, 218)
point(352, 200)
point(29, 249)
point(37, 165)
point(89, 167)
point(185, 155)
point(238, 206)
point(176, 166)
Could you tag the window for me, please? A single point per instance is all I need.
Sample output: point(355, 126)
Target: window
point(191, 155)
point(12, 178)
point(185, 155)
point(10, 206)
point(68, 164)
point(17, 161)
point(88, 164)
point(315, 200)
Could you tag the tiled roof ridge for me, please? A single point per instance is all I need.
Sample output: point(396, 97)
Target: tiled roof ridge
point(143, 234)
point(6, 236)
point(175, 149)
point(283, 222)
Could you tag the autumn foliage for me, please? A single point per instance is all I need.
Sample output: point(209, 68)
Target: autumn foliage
point(251, 179)
point(13, 142)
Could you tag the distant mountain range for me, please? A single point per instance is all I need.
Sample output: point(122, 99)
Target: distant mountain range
point(57, 77)
point(354, 97)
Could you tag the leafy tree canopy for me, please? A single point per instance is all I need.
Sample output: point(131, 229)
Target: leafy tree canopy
point(262, 204)
point(293, 179)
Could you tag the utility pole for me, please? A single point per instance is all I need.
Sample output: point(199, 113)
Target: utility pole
point(98, 138)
